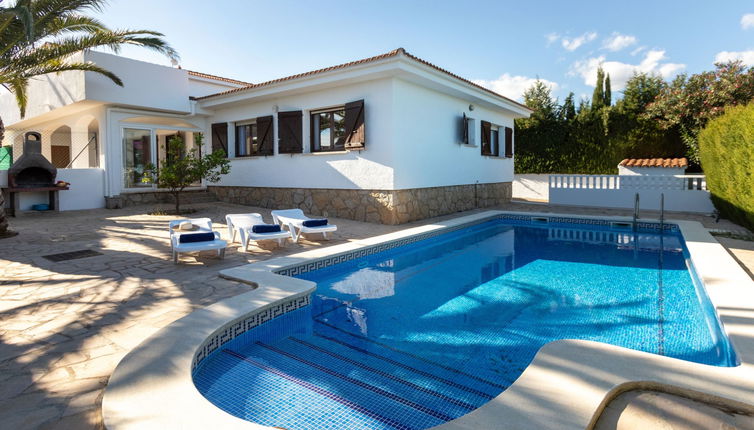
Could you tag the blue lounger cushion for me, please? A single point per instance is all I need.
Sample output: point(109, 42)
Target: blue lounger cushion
point(265, 228)
point(315, 222)
point(196, 237)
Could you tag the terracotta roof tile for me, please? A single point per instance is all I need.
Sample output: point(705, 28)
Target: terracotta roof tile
point(218, 78)
point(390, 54)
point(655, 162)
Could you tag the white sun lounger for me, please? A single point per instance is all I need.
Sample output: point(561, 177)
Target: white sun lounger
point(243, 224)
point(294, 220)
point(204, 225)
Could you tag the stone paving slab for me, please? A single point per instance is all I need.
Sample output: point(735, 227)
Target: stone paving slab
point(64, 326)
point(644, 409)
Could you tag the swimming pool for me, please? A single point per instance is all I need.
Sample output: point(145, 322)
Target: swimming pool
point(424, 333)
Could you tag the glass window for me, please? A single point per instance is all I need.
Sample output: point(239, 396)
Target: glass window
point(137, 154)
point(490, 147)
point(246, 140)
point(329, 130)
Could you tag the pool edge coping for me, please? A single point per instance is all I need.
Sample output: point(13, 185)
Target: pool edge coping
point(164, 360)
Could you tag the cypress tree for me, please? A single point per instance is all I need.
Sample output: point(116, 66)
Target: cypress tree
point(608, 92)
point(569, 108)
point(598, 97)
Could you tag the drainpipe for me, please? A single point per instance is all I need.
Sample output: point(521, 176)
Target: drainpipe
point(105, 147)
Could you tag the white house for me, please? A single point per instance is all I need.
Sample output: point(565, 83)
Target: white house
point(390, 139)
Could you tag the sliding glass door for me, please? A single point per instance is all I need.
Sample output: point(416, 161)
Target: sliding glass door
point(145, 146)
point(137, 154)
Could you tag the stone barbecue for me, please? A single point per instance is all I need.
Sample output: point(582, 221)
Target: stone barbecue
point(32, 172)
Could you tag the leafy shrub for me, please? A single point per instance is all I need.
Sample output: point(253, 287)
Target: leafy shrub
point(726, 149)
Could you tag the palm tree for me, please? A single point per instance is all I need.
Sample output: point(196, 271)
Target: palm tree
point(38, 37)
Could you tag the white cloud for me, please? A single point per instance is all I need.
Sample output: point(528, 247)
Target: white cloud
point(747, 21)
point(551, 38)
point(618, 41)
point(572, 44)
point(620, 72)
point(637, 50)
point(747, 57)
point(513, 86)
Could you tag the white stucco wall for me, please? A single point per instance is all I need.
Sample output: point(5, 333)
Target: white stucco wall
point(531, 186)
point(144, 84)
point(45, 94)
point(87, 190)
point(427, 148)
point(198, 87)
point(412, 142)
point(367, 169)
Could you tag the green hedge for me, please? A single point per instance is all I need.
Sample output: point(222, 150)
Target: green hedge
point(726, 148)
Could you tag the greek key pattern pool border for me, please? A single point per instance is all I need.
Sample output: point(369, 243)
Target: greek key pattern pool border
point(515, 218)
point(240, 326)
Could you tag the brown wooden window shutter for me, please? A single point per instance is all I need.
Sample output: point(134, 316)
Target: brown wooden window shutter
point(220, 137)
point(290, 132)
point(355, 134)
point(508, 142)
point(486, 138)
point(465, 129)
point(264, 135)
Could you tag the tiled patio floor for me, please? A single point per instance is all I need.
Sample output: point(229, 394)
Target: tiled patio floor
point(64, 326)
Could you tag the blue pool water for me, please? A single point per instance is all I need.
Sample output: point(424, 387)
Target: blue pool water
point(421, 334)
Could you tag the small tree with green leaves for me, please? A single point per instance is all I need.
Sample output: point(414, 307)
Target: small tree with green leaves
point(183, 168)
point(689, 102)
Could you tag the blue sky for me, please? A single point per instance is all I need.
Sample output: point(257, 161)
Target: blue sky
point(501, 44)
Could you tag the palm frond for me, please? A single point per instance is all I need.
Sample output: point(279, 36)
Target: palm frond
point(18, 87)
point(74, 23)
point(53, 67)
point(20, 14)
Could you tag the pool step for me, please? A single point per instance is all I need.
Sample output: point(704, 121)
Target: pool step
point(396, 380)
point(407, 369)
point(488, 384)
point(382, 400)
point(277, 396)
point(379, 382)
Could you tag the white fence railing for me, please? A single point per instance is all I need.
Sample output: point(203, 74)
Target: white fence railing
point(683, 193)
point(633, 182)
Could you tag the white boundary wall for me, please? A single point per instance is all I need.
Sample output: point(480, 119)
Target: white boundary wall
point(531, 186)
point(87, 190)
point(683, 193)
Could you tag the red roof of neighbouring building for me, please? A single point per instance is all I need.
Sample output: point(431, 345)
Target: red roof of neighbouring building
point(218, 78)
point(655, 162)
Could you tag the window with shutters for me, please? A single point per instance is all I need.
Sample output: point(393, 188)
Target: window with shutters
point(254, 138)
point(490, 139)
point(220, 137)
point(508, 142)
point(290, 130)
point(468, 131)
point(329, 130)
point(246, 140)
point(337, 129)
